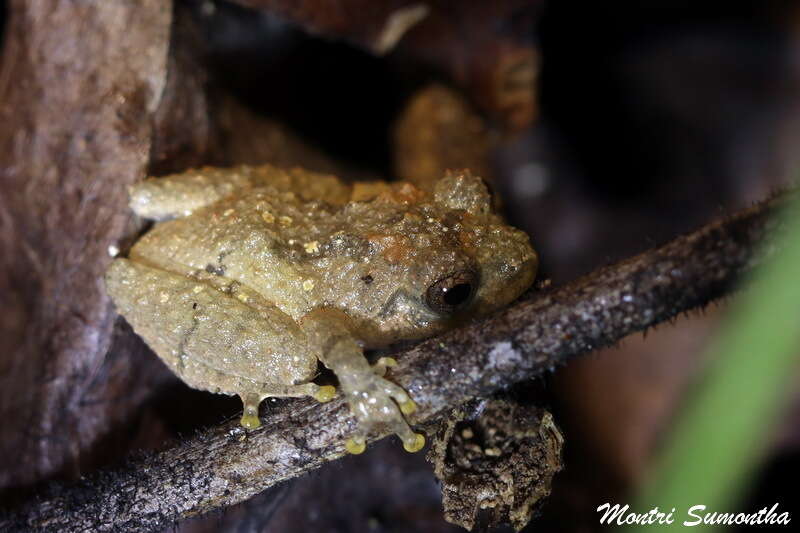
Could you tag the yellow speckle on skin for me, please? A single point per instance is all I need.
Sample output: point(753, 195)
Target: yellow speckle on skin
point(164, 297)
point(311, 247)
point(228, 212)
point(308, 285)
point(268, 217)
point(197, 289)
point(285, 221)
point(242, 297)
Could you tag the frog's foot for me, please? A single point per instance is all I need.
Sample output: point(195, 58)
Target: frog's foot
point(378, 402)
point(251, 400)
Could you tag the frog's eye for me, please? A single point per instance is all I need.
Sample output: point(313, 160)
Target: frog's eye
point(452, 293)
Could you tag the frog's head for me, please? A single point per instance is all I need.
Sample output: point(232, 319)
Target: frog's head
point(436, 259)
point(504, 262)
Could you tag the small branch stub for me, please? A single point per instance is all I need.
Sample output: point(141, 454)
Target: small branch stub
point(496, 456)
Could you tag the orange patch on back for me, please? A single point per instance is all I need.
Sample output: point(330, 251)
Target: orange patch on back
point(395, 248)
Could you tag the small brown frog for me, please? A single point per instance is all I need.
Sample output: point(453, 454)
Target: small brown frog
point(254, 274)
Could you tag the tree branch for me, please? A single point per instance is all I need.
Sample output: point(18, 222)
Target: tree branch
point(226, 465)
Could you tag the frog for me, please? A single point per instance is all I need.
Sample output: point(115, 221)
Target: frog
point(251, 276)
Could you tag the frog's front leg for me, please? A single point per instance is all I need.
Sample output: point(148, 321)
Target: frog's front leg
point(373, 400)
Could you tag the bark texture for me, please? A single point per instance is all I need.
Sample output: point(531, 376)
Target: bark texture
point(76, 103)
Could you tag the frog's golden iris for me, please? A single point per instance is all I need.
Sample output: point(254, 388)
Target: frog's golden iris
point(452, 293)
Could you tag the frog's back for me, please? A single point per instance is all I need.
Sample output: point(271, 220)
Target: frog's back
point(255, 239)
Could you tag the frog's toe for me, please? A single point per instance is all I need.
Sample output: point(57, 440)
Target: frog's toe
point(250, 418)
point(412, 442)
point(356, 444)
point(382, 364)
point(408, 407)
point(325, 393)
point(406, 404)
point(250, 422)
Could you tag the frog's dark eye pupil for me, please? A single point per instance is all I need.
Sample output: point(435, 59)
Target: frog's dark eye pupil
point(452, 293)
point(458, 294)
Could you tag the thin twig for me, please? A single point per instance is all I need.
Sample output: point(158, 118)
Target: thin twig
point(226, 465)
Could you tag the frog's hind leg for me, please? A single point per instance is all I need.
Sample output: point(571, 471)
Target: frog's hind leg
point(252, 399)
point(216, 337)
